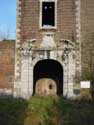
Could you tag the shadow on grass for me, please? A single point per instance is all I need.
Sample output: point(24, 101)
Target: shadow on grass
point(12, 111)
point(76, 112)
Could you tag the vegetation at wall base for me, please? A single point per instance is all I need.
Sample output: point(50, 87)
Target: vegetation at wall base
point(49, 110)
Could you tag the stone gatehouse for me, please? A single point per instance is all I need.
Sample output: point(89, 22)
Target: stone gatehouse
point(47, 46)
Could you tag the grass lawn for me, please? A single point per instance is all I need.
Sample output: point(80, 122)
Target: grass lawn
point(46, 111)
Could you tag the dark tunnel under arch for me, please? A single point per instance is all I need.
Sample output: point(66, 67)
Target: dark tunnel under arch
point(49, 68)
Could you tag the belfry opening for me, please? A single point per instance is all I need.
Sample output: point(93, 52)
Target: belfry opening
point(48, 77)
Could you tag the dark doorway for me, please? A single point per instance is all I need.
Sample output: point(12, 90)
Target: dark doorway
point(49, 69)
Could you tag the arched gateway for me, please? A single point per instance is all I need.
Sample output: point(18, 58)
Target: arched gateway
point(49, 72)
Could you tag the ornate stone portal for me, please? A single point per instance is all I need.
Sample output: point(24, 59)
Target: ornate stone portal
point(29, 56)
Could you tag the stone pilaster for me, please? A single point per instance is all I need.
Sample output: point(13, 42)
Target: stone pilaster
point(17, 53)
point(78, 39)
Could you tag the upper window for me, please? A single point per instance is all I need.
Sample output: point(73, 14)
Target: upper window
point(48, 14)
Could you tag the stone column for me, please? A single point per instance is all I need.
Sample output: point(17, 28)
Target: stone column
point(70, 77)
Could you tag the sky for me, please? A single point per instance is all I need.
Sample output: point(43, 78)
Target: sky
point(8, 18)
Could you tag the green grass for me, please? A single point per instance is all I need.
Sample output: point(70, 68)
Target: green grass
point(12, 111)
point(46, 111)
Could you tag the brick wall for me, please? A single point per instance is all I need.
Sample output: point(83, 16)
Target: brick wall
point(7, 50)
point(30, 20)
point(87, 37)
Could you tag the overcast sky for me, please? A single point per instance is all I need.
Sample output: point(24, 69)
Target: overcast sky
point(8, 17)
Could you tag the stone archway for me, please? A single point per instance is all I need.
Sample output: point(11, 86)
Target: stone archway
point(51, 71)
